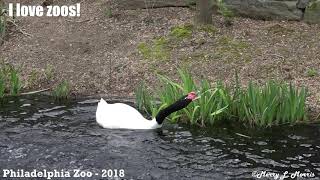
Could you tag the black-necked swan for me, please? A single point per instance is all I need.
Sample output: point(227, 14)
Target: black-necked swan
point(123, 116)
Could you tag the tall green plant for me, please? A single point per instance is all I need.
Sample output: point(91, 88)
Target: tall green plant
point(268, 105)
point(62, 91)
point(145, 101)
point(9, 80)
point(210, 106)
point(2, 85)
point(15, 82)
point(272, 104)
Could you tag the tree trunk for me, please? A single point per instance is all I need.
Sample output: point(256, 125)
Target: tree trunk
point(204, 15)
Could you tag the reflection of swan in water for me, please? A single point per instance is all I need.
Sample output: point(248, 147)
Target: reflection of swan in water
point(123, 116)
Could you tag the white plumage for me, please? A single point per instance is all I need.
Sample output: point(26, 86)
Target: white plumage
point(122, 116)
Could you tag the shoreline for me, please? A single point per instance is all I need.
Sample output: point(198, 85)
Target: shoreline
point(101, 55)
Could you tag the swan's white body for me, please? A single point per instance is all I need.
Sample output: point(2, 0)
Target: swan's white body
point(122, 116)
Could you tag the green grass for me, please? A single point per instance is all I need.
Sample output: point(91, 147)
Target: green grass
point(108, 12)
point(157, 50)
point(10, 82)
point(15, 82)
point(312, 72)
point(231, 50)
point(62, 91)
point(263, 106)
point(144, 50)
point(182, 32)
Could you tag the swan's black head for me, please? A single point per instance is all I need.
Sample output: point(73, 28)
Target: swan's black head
point(176, 106)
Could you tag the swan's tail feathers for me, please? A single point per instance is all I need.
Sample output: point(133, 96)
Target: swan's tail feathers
point(101, 105)
point(100, 110)
point(102, 101)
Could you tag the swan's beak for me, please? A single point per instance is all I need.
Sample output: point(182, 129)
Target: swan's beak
point(191, 96)
point(198, 97)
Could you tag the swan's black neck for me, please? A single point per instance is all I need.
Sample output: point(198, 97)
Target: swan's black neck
point(180, 104)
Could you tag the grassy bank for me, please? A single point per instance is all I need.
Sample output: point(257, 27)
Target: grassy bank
point(12, 83)
point(273, 103)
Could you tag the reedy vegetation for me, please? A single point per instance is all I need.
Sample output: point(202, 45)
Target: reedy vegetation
point(15, 82)
point(62, 91)
point(271, 104)
point(9, 80)
point(11, 84)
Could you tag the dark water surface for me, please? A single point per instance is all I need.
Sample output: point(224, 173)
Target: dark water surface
point(38, 134)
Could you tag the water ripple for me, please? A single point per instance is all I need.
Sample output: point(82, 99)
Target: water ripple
point(38, 134)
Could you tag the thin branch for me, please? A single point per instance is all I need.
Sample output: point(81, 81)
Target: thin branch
point(35, 92)
point(277, 55)
point(19, 29)
point(168, 6)
point(243, 135)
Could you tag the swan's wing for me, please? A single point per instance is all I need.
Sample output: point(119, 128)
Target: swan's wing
point(118, 115)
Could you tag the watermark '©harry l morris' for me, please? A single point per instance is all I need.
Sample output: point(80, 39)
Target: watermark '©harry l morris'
point(285, 175)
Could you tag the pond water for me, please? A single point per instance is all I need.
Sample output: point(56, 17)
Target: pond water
point(38, 134)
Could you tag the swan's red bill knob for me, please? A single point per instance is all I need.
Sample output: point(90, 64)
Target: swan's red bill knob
point(191, 95)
